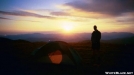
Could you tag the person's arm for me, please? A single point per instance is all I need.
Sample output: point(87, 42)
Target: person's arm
point(100, 35)
point(92, 37)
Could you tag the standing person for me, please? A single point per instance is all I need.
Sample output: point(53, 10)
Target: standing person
point(95, 39)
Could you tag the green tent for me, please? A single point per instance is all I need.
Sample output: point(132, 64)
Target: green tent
point(57, 52)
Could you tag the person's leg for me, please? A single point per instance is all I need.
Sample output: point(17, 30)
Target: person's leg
point(94, 56)
point(98, 59)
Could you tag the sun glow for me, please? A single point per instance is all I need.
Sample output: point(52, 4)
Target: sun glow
point(67, 26)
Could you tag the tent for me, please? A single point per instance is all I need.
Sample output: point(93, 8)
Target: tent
point(57, 52)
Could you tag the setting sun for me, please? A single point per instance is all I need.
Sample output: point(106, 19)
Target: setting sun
point(67, 27)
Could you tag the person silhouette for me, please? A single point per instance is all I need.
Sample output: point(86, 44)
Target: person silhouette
point(95, 39)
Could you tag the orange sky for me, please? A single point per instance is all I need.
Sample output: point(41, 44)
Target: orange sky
point(63, 17)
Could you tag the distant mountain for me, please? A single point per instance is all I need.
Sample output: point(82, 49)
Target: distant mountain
point(115, 35)
point(68, 38)
point(4, 40)
point(49, 37)
point(25, 36)
point(7, 40)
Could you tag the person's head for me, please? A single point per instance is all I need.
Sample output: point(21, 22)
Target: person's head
point(95, 27)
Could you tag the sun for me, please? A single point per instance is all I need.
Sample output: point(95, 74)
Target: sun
point(68, 27)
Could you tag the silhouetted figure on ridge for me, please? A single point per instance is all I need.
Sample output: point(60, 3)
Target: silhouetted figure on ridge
point(95, 38)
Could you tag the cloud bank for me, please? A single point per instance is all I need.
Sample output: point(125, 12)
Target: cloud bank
point(24, 13)
point(108, 7)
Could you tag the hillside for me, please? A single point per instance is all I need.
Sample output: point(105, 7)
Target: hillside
point(2, 39)
point(18, 52)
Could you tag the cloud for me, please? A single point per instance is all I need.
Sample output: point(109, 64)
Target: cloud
point(60, 13)
point(5, 18)
point(18, 20)
point(54, 15)
point(24, 13)
point(127, 18)
point(107, 7)
point(126, 21)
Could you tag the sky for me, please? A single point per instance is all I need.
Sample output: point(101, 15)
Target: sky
point(66, 16)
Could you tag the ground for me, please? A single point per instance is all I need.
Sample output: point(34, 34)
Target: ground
point(117, 57)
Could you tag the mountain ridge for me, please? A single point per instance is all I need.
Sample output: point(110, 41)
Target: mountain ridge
point(33, 37)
